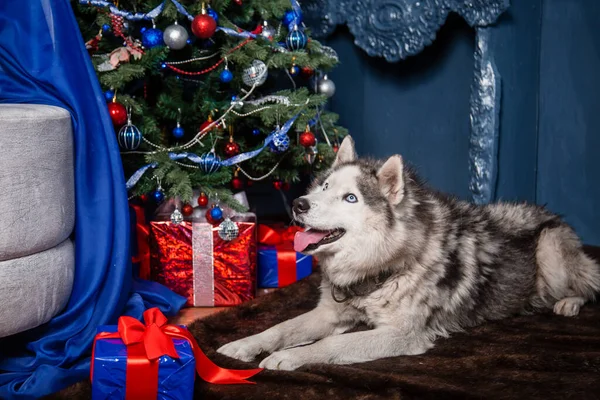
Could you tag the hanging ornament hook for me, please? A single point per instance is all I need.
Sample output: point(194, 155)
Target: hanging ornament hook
point(128, 115)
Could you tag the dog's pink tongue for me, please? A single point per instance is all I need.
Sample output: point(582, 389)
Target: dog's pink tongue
point(303, 239)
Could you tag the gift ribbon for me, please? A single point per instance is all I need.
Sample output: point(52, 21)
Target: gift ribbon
point(283, 240)
point(146, 343)
point(142, 235)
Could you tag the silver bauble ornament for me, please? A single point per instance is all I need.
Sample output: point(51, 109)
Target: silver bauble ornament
point(228, 230)
point(268, 32)
point(326, 86)
point(176, 217)
point(175, 36)
point(256, 73)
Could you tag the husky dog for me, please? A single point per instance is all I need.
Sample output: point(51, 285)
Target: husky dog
point(415, 265)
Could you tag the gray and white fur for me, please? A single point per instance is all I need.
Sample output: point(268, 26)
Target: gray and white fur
point(414, 264)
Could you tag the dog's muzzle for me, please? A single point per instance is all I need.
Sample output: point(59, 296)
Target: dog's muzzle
point(301, 205)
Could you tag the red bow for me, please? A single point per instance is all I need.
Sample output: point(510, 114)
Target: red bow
point(155, 341)
point(147, 343)
point(283, 240)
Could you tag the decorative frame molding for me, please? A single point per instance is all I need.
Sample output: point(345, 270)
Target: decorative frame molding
point(397, 29)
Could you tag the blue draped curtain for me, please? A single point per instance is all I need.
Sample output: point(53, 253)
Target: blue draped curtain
point(43, 60)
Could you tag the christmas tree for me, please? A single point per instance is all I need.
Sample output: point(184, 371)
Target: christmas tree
point(212, 96)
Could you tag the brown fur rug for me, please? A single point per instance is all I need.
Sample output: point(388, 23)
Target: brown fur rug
point(530, 357)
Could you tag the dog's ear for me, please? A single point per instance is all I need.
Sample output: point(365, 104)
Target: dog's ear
point(346, 152)
point(391, 179)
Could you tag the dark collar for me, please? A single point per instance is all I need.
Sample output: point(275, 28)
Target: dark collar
point(363, 288)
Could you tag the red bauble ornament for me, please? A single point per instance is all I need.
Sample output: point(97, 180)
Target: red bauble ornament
point(335, 148)
point(118, 113)
point(204, 26)
point(187, 210)
point(144, 197)
point(231, 148)
point(307, 72)
point(203, 200)
point(209, 219)
point(277, 184)
point(307, 139)
point(237, 183)
point(238, 2)
point(249, 182)
point(285, 186)
point(205, 124)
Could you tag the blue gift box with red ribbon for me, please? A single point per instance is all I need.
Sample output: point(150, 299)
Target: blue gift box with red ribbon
point(175, 375)
point(152, 360)
point(278, 264)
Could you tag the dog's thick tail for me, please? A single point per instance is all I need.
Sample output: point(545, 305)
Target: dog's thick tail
point(564, 269)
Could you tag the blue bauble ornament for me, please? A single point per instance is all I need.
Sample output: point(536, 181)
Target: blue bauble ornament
point(216, 213)
point(280, 143)
point(292, 17)
point(178, 132)
point(213, 14)
point(256, 131)
point(295, 70)
point(105, 27)
point(109, 95)
point(152, 37)
point(210, 162)
point(296, 39)
point(226, 76)
point(129, 137)
point(158, 195)
point(205, 44)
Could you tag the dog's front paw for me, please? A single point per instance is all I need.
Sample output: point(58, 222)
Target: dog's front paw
point(244, 349)
point(284, 360)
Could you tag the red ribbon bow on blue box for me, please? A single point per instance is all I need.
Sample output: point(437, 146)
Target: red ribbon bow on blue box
point(127, 363)
point(278, 264)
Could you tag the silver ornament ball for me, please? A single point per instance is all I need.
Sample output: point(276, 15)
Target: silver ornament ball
point(268, 32)
point(176, 217)
point(175, 36)
point(228, 230)
point(256, 73)
point(326, 86)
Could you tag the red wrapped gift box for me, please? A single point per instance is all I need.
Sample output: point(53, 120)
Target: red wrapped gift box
point(192, 260)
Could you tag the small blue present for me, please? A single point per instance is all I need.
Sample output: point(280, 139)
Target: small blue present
point(134, 361)
point(278, 264)
point(175, 375)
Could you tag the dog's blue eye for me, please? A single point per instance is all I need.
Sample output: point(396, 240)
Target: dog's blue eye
point(350, 198)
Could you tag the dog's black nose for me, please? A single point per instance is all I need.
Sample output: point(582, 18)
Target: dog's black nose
point(301, 205)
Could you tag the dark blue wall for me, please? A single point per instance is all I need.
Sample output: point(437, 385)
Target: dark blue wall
point(548, 54)
point(418, 108)
point(569, 130)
